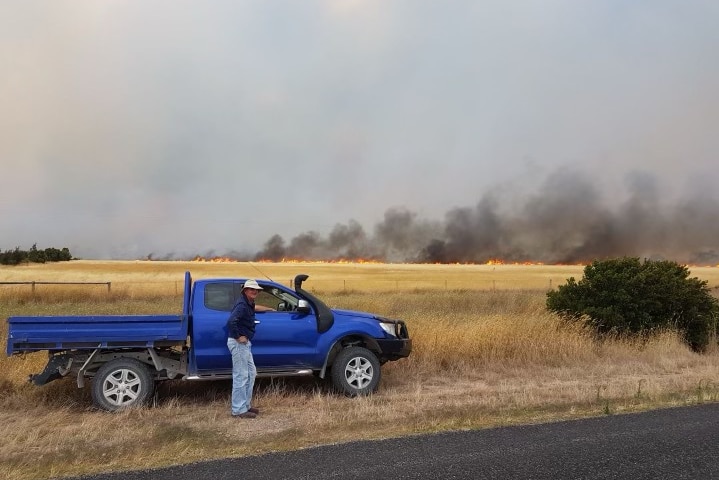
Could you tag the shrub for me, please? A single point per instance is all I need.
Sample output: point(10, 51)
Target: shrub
point(628, 296)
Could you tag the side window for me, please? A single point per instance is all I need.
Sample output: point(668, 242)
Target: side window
point(277, 299)
point(220, 296)
point(266, 299)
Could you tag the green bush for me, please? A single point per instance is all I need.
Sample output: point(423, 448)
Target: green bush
point(628, 296)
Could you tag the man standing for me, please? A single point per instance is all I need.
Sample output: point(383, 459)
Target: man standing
point(240, 330)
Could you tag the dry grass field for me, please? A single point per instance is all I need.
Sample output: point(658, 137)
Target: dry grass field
point(486, 353)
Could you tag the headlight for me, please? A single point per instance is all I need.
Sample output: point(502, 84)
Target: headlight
point(390, 328)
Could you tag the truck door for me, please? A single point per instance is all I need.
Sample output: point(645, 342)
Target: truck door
point(211, 308)
point(284, 339)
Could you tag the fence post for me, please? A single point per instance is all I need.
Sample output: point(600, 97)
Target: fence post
point(108, 286)
point(33, 287)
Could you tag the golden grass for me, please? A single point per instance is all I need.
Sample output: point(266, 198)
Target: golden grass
point(167, 277)
point(483, 356)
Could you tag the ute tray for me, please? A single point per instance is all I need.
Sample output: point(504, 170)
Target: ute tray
point(55, 333)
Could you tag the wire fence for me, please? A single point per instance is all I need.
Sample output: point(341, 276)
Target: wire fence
point(320, 285)
point(33, 284)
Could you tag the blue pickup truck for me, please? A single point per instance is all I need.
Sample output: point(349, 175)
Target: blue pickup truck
point(126, 355)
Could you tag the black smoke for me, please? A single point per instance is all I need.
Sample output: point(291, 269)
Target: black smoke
point(394, 239)
point(567, 220)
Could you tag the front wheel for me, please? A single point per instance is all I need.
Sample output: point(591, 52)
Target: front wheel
point(356, 371)
point(122, 383)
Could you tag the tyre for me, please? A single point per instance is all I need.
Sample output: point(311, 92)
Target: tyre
point(356, 371)
point(122, 383)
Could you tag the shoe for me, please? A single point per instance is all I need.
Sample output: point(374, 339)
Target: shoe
point(247, 414)
point(254, 410)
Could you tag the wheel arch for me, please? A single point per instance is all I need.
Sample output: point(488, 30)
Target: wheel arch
point(99, 357)
point(349, 340)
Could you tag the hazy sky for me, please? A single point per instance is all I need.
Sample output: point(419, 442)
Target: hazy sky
point(130, 127)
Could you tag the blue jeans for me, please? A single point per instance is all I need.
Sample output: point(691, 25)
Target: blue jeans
point(243, 375)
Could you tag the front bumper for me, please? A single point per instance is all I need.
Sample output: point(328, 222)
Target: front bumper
point(395, 348)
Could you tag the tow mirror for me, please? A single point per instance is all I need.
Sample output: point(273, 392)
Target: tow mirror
point(303, 306)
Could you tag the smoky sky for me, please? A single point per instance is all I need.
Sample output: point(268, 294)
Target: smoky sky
point(403, 130)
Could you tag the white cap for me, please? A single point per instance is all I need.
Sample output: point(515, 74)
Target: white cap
point(251, 284)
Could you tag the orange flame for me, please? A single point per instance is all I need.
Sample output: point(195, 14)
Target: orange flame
point(497, 261)
point(214, 259)
point(493, 261)
point(337, 260)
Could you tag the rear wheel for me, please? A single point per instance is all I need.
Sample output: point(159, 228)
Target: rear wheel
point(356, 371)
point(122, 383)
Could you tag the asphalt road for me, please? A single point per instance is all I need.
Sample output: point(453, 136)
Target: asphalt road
point(673, 443)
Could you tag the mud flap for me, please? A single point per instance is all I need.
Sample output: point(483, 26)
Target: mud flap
point(57, 367)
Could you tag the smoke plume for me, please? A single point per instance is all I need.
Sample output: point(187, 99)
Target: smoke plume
point(566, 221)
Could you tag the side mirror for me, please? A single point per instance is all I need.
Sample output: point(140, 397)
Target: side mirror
point(303, 306)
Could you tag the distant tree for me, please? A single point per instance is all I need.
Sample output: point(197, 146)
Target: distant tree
point(52, 254)
point(17, 256)
point(35, 255)
point(13, 257)
point(628, 296)
point(65, 255)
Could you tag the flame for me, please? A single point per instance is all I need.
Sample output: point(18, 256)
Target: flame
point(336, 260)
point(215, 259)
point(498, 261)
point(202, 259)
point(491, 262)
point(346, 261)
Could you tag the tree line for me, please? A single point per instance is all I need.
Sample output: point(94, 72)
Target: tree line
point(34, 255)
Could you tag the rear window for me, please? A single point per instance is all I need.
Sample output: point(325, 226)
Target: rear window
point(221, 296)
